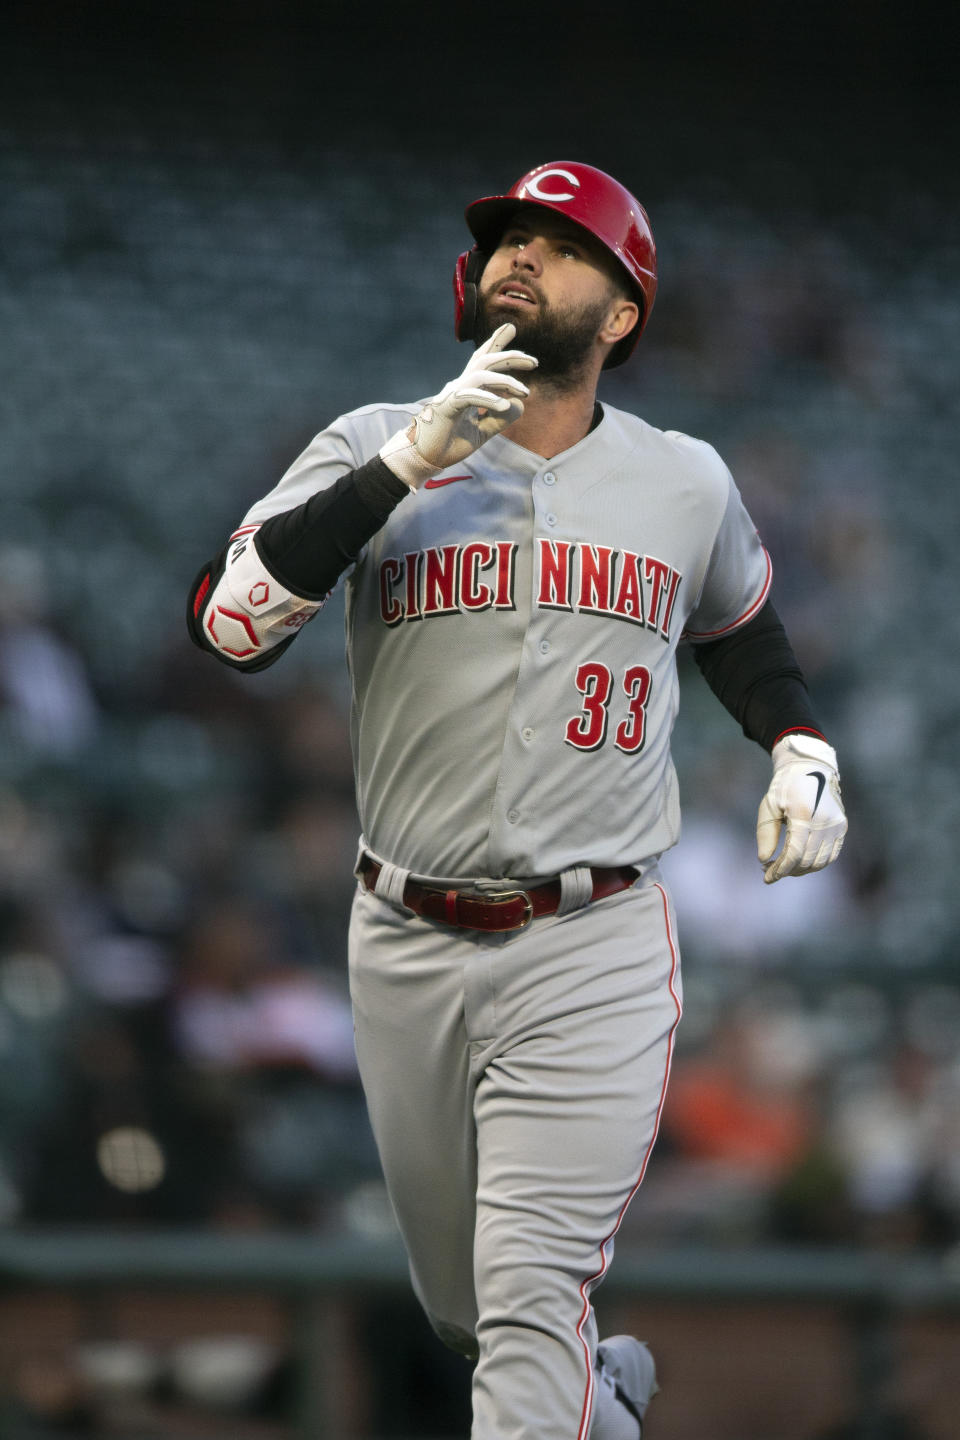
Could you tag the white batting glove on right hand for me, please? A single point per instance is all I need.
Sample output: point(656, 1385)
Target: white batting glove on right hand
point(804, 793)
point(480, 403)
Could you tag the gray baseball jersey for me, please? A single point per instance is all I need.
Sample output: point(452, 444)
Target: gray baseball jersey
point(511, 636)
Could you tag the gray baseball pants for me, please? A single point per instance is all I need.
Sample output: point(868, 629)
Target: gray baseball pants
point(515, 1084)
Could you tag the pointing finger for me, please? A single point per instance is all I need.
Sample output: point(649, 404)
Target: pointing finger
point(497, 381)
point(500, 338)
point(512, 360)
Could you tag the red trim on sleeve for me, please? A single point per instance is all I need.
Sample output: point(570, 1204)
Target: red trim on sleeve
point(747, 614)
point(801, 730)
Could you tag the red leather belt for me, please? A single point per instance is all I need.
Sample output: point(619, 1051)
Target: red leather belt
point(497, 910)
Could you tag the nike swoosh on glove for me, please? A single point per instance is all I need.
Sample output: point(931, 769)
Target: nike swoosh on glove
point(469, 410)
point(804, 795)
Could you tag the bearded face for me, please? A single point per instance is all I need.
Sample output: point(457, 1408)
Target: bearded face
point(561, 336)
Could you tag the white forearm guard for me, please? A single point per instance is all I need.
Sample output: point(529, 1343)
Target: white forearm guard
point(249, 611)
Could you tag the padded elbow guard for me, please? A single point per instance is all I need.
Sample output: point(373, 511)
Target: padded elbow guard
point(249, 611)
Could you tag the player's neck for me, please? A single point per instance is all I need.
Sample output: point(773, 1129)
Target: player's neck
point(554, 420)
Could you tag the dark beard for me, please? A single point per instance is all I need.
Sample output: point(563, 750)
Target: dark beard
point(562, 343)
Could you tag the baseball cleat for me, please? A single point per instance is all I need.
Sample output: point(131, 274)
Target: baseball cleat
point(630, 1365)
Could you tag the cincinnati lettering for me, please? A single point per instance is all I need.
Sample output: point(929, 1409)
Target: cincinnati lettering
point(447, 580)
point(585, 579)
point(598, 580)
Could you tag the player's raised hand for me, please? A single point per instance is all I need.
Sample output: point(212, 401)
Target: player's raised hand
point(804, 795)
point(480, 403)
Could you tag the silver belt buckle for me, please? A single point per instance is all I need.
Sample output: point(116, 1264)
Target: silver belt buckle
point(513, 895)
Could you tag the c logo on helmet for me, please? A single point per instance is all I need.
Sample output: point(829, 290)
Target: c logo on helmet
point(534, 190)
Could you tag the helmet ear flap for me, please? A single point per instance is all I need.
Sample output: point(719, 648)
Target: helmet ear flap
point(466, 279)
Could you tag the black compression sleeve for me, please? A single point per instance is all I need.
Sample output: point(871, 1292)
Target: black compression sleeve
point(308, 548)
point(755, 674)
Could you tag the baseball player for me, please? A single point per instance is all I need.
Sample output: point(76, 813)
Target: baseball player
point(521, 563)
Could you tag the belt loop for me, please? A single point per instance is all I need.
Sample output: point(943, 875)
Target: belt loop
point(576, 889)
point(391, 883)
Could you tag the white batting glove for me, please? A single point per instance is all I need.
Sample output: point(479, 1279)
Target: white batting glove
point(804, 793)
point(480, 403)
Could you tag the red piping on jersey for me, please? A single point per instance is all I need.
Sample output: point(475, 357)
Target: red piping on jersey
point(592, 1280)
point(747, 614)
point(245, 530)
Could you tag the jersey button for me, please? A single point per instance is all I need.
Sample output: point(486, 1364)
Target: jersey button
point(513, 816)
point(544, 647)
point(549, 478)
point(527, 732)
point(551, 519)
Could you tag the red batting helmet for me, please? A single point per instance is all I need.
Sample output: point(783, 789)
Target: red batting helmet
point(584, 194)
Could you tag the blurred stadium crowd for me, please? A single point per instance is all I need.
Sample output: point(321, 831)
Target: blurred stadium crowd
point(177, 842)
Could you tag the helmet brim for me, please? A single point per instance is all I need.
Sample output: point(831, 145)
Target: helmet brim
point(489, 217)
